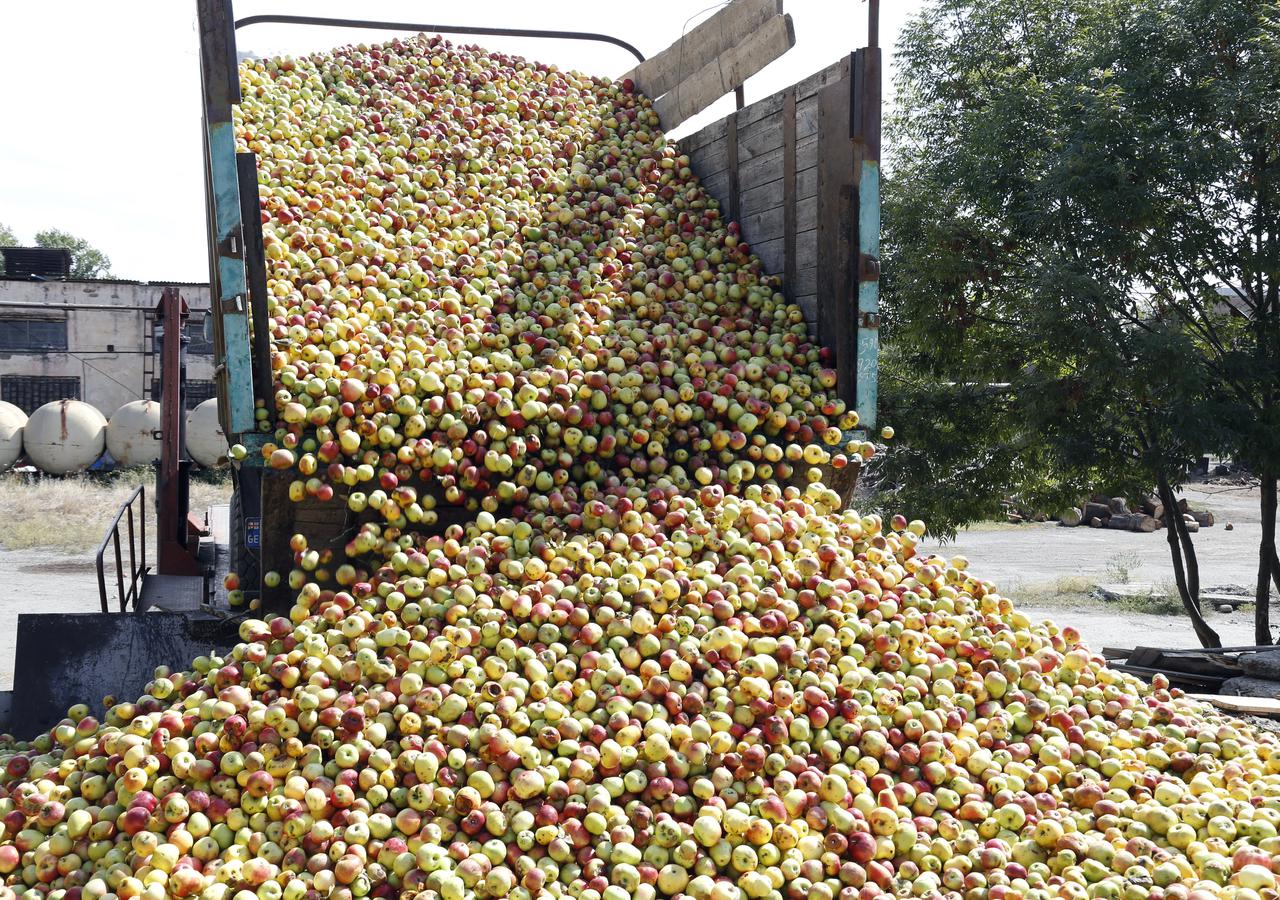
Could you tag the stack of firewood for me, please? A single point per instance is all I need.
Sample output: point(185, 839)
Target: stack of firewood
point(1147, 515)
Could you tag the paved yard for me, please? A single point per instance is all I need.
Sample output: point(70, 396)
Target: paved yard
point(1051, 570)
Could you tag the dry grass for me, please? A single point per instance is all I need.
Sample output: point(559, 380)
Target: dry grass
point(1072, 589)
point(70, 515)
point(991, 525)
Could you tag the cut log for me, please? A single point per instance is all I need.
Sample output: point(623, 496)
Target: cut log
point(1095, 522)
point(1071, 517)
point(1184, 506)
point(1121, 521)
point(1152, 507)
point(1193, 526)
point(1093, 510)
point(1203, 517)
point(1143, 523)
point(1118, 506)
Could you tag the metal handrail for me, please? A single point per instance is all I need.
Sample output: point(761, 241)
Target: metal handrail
point(137, 553)
point(440, 29)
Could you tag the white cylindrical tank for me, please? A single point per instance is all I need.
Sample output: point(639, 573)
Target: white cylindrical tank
point(206, 444)
point(12, 421)
point(65, 436)
point(131, 439)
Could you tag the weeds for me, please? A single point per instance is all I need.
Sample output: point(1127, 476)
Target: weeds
point(1072, 588)
point(1120, 567)
point(71, 514)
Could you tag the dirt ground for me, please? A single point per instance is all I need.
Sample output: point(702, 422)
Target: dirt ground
point(51, 530)
point(1052, 571)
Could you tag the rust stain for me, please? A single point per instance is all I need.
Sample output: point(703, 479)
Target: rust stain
point(62, 409)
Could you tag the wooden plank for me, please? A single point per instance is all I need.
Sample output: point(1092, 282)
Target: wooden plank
point(807, 250)
point(711, 159)
point(734, 198)
point(691, 143)
point(806, 282)
point(806, 153)
point(730, 69)
point(770, 253)
point(772, 190)
point(1219, 651)
point(1146, 672)
point(789, 188)
point(758, 197)
point(806, 214)
point(765, 225)
point(806, 90)
point(771, 107)
point(763, 168)
point(760, 138)
point(806, 183)
point(1258, 706)
point(809, 308)
point(717, 185)
point(702, 44)
point(807, 117)
point(707, 147)
point(836, 322)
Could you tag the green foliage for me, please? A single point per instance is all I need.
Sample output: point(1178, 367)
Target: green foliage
point(86, 260)
point(7, 239)
point(1073, 181)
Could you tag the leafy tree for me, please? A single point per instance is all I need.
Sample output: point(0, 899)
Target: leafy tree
point(86, 260)
point(7, 239)
point(1076, 185)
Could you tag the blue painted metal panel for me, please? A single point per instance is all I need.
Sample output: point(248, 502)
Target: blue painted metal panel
point(233, 294)
point(868, 295)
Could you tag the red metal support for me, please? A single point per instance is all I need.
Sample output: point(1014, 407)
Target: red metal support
point(175, 555)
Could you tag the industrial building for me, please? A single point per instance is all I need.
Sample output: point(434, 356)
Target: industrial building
point(91, 340)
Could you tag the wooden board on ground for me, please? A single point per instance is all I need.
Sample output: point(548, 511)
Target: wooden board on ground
point(1255, 706)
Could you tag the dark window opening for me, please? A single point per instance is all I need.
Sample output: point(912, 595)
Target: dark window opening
point(22, 334)
point(30, 392)
point(198, 391)
point(197, 343)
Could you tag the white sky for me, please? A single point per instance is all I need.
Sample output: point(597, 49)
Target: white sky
point(100, 127)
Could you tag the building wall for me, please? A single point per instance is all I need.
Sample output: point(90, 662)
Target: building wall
point(106, 326)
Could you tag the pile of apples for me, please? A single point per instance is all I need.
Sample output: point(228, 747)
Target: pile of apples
point(647, 666)
point(500, 279)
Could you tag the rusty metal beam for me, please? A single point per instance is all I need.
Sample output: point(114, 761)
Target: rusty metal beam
point(173, 551)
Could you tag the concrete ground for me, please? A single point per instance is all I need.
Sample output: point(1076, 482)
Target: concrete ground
point(36, 581)
point(56, 573)
point(1051, 571)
